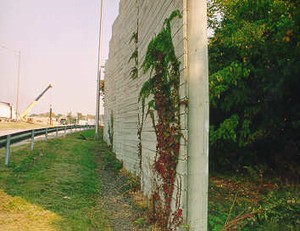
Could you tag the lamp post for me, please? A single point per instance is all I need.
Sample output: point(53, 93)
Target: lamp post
point(18, 82)
point(18, 74)
point(99, 74)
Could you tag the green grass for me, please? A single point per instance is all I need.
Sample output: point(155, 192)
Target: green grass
point(59, 176)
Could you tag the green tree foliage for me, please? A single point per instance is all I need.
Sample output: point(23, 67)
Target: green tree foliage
point(254, 59)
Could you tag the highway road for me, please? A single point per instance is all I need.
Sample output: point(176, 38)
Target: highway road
point(10, 131)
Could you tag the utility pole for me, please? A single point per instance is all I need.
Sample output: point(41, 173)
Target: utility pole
point(198, 118)
point(99, 74)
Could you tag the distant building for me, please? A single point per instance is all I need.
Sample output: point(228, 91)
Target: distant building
point(82, 122)
point(91, 121)
point(7, 111)
point(86, 122)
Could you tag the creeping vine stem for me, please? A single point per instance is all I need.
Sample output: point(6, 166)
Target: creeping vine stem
point(134, 74)
point(163, 86)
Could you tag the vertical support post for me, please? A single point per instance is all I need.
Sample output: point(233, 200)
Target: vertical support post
point(7, 151)
point(32, 140)
point(46, 134)
point(198, 118)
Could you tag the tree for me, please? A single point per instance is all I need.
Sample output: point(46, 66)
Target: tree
point(254, 81)
point(80, 116)
point(70, 118)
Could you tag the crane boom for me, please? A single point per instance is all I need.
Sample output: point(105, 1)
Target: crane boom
point(27, 110)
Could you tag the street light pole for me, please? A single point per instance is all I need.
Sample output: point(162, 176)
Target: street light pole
point(18, 82)
point(99, 74)
point(18, 75)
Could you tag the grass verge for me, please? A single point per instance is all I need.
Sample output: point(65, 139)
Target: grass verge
point(60, 178)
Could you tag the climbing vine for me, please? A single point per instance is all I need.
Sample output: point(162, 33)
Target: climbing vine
point(162, 88)
point(135, 55)
point(134, 74)
point(111, 130)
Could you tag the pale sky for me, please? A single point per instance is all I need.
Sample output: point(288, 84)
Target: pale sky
point(58, 40)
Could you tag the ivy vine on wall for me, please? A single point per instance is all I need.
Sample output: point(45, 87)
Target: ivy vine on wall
point(161, 91)
point(111, 130)
point(134, 74)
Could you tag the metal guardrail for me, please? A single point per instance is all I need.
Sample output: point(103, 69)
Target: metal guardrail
point(7, 140)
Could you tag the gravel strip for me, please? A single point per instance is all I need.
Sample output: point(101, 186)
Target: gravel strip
point(117, 204)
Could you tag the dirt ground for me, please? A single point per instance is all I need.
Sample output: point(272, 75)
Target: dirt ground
point(11, 127)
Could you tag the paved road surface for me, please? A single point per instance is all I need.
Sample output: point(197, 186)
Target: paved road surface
point(6, 132)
